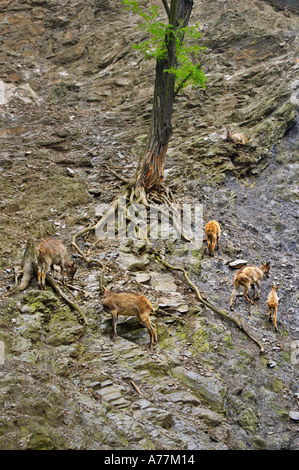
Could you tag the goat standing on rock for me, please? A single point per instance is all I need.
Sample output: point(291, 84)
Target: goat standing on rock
point(212, 230)
point(272, 304)
point(248, 276)
point(236, 138)
point(130, 304)
point(49, 253)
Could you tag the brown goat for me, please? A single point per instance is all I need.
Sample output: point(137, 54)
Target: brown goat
point(236, 138)
point(49, 253)
point(248, 276)
point(212, 230)
point(130, 304)
point(272, 304)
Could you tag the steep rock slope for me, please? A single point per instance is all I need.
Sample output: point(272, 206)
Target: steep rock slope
point(75, 96)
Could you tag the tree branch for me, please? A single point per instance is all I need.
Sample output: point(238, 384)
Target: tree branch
point(166, 6)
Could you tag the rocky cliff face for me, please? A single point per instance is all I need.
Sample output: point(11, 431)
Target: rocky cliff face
point(75, 96)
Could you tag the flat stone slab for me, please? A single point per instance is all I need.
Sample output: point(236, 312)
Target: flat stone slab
point(210, 390)
point(163, 282)
point(183, 308)
point(238, 263)
point(294, 415)
point(131, 262)
point(142, 277)
point(173, 299)
point(183, 397)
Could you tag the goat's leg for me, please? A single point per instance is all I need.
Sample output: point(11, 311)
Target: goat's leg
point(62, 274)
point(275, 318)
point(39, 274)
point(52, 270)
point(258, 292)
point(155, 332)
point(43, 283)
point(44, 273)
point(246, 296)
point(151, 329)
point(270, 313)
point(232, 297)
point(114, 321)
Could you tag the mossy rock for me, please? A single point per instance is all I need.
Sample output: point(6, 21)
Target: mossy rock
point(63, 328)
point(40, 301)
point(210, 390)
point(64, 333)
point(248, 420)
point(42, 439)
point(31, 326)
point(200, 340)
point(269, 132)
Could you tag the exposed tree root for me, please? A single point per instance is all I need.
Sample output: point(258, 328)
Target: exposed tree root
point(135, 195)
point(90, 228)
point(26, 269)
point(117, 175)
point(111, 211)
point(209, 305)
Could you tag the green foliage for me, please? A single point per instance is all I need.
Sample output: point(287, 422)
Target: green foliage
point(155, 45)
point(186, 45)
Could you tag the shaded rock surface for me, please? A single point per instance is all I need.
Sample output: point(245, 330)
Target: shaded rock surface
point(75, 96)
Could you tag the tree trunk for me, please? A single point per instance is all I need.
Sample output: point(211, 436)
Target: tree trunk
point(149, 174)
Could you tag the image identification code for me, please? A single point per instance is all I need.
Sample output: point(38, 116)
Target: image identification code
point(170, 459)
point(151, 459)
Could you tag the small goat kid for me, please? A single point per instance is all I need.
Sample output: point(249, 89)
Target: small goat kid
point(248, 276)
point(49, 253)
point(212, 230)
point(237, 137)
point(272, 304)
point(129, 304)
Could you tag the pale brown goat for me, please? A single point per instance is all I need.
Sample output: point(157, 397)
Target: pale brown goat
point(248, 276)
point(49, 253)
point(212, 230)
point(236, 138)
point(130, 304)
point(272, 304)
